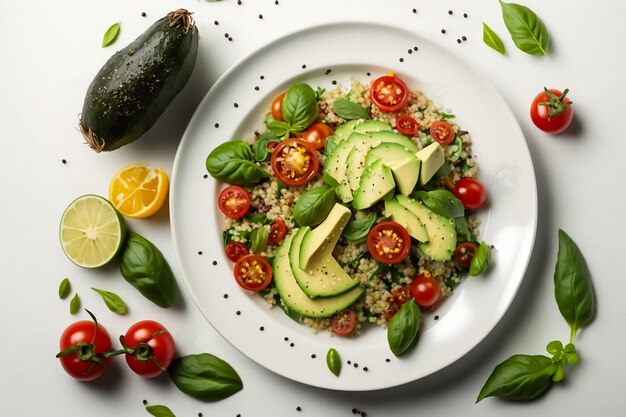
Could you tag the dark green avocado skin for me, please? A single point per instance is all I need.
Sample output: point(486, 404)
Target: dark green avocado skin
point(137, 83)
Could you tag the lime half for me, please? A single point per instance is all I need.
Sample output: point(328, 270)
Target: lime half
point(92, 231)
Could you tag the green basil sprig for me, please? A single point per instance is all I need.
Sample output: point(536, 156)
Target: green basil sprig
point(349, 110)
point(259, 148)
point(442, 202)
point(112, 301)
point(145, 268)
point(205, 377)
point(524, 377)
point(356, 231)
point(527, 31)
point(159, 411)
point(333, 361)
point(492, 39)
point(404, 328)
point(258, 239)
point(64, 288)
point(481, 259)
point(299, 106)
point(75, 304)
point(313, 206)
point(460, 224)
point(232, 162)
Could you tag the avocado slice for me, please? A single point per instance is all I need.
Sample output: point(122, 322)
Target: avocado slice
point(322, 240)
point(335, 168)
point(355, 164)
point(407, 219)
point(432, 158)
point(295, 299)
point(403, 163)
point(392, 137)
point(441, 230)
point(325, 277)
point(376, 183)
point(344, 131)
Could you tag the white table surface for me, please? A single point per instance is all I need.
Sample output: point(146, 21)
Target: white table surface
point(50, 51)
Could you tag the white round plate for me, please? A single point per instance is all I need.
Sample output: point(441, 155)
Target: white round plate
point(234, 108)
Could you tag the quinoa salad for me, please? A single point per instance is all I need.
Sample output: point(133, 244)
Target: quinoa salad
point(373, 177)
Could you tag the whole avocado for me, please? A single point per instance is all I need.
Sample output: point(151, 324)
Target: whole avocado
point(137, 83)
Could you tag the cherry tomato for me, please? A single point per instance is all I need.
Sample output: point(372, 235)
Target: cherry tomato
point(277, 232)
point(388, 242)
point(235, 250)
point(442, 132)
point(82, 346)
point(343, 323)
point(234, 202)
point(399, 296)
point(149, 348)
point(464, 253)
point(471, 193)
point(253, 272)
point(317, 134)
point(425, 291)
point(389, 93)
point(551, 111)
point(295, 162)
point(277, 107)
point(407, 125)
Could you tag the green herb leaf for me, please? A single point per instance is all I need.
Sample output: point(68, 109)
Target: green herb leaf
point(111, 34)
point(554, 347)
point(455, 150)
point(161, 410)
point(446, 116)
point(481, 259)
point(64, 288)
point(460, 224)
point(527, 31)
point(349, 110)
point(258, 218)
point(404, 328)
point(278, 128)
point(520, 377)
point(333, 361)
point(330, 146)
point(313, 206)
point(258, 239)
point(572, 285)
point(318, 92)
point(442, 202)
point(299, 106)
point(112, 301)
point(356, 231)
point(205, 377)
point(259, 148)
point(492, 39)
point(232, 162)
point(75, 304)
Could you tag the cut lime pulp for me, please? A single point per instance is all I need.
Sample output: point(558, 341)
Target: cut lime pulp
point(92, 231)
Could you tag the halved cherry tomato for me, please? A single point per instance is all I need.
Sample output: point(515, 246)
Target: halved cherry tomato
point(295, 162)
point(277, 107)
point(149, 348)
point(317, 134)
point(399, 296)
point(464, 253)
point(253, 272)
point(471, 193)
point(234, 202)
point(343, 323)
point(389, 93)
point(277, 232)
point(235, 250)
point(388, 242)
point(442, 132)
point(425, 290)
point(407, 125)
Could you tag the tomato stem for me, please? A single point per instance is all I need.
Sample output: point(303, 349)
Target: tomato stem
point(556, 106)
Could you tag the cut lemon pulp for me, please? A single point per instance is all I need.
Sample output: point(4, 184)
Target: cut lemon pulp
point(92, 231)
point(138, 191)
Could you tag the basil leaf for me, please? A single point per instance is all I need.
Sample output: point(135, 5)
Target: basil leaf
point(64, 288)
point(356, 231)
point(277, 127)
point(492, 39)
point(572, 285)
point(446, 116)
point(313, 206)
point(330, 146)
point(403, 328)
point(527, 31)
point(258, 239)
point(145, 268)
point(460, 224)
point(259, 148)
point(75, 304)
point(159, 411)
point(205, 377)
point(333, 361)
point(442, 202)
point(520, 377)
point(111, 34)
point(258, 218)
point(232, 162)
point(112, 301)
point(299, 106)
point(349, 110)
point(481, 259)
